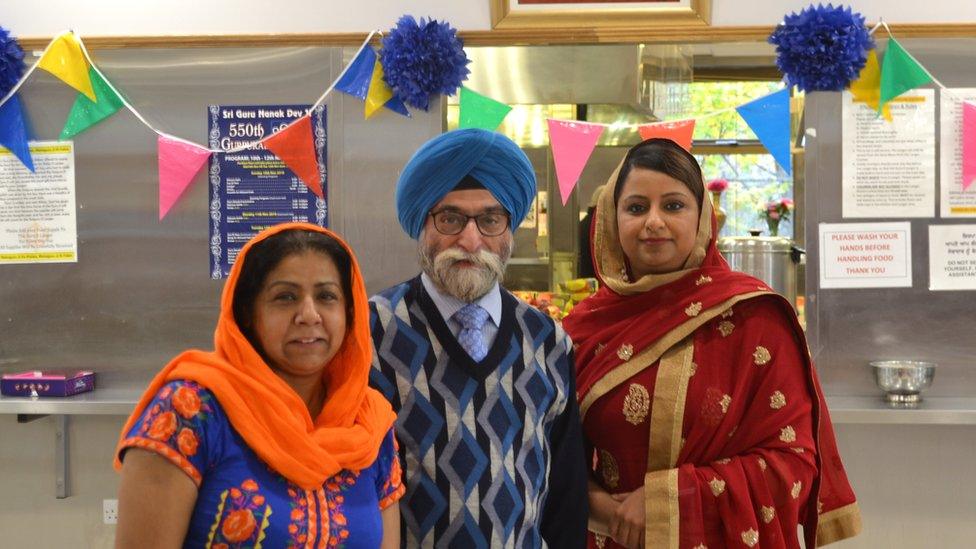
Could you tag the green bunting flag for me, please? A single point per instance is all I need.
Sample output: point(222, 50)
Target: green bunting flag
point(478, 111)
point(85, 113)
point(899, 73)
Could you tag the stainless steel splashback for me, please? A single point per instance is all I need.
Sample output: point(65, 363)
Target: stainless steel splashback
point(557, 74)
point(140, 291)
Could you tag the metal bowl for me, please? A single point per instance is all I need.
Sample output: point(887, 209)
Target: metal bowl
point(903, 380)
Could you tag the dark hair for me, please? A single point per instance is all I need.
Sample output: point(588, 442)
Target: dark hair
point(667, 157)
point(266, 255)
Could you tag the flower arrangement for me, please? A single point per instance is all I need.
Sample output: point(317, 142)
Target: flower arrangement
point(775, 211)
point(717, 185)
point(822, 48)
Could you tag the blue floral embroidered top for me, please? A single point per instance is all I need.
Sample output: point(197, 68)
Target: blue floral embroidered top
point(241, 502)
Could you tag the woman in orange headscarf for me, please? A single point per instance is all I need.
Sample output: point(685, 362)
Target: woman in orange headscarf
point(698, 397)
point(274, 438)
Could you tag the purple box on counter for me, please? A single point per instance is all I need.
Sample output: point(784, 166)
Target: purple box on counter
point(47, 383)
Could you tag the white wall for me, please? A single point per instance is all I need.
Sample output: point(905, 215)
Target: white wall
point(26, 18)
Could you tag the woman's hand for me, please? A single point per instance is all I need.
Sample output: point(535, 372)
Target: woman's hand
point(602, 508)
point(627, 523)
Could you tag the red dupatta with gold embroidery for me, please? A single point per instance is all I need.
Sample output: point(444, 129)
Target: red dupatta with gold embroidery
point(736, 470)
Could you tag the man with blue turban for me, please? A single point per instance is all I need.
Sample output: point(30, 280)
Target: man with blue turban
point(483, 383)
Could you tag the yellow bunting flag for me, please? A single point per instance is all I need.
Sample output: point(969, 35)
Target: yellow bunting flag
point(379, 93)
point(867, 88)
point(65, 60)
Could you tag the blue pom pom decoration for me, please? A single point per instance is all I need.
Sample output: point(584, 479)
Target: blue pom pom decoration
point(423, 59)
point(12, 65)
point(821, 48)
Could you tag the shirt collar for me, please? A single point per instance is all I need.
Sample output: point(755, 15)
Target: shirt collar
point(447, 304)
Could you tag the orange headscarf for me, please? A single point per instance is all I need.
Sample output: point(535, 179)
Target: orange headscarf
point(267, 413)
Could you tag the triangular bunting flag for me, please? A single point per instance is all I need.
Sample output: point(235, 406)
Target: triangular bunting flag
point(396, 105)
point(968, 145)
point(379, 92)
point(572, 144)
point(179, 161)
point(85, 113)
point(13, 131)
point(356, 80)
point(769, 119)
point(867, 88)
point(899, 73)
point(479, 111)
point(679, 131)
point(295, 147)
point(65, 60)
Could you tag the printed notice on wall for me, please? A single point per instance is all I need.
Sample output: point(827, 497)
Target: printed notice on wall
point(865, 255)
point(955, 201)
point(952, 257)
point(252, 189)
point(889, 167)
point(37, 210)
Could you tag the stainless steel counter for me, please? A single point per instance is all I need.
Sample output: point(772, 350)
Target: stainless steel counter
point(102, 401)
point(932, 411)
point(120, 400)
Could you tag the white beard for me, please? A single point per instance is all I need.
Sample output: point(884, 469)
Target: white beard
point(465, 283)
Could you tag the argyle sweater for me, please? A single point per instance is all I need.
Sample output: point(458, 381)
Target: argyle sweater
point(492, 452)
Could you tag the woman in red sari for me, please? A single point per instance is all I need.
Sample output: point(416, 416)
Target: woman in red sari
point(699, 399)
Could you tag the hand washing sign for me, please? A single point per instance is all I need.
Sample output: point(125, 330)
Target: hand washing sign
point(865, 255)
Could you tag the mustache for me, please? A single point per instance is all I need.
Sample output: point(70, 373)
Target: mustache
point(481, 258)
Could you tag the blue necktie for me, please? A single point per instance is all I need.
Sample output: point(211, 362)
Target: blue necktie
point(472, 319)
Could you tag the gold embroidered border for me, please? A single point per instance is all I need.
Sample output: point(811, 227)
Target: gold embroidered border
point(661, 509)
point(841, 523)
point(649, 356)
point(668, 406)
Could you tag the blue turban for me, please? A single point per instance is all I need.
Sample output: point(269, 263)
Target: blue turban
point(441, 163)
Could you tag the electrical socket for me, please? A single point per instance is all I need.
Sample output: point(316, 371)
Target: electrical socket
point(110, 511)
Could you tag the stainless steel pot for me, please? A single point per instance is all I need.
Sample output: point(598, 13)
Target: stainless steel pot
point(772, 259)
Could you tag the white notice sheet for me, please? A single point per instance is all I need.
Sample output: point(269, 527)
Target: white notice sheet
point(952, 257)
point(866, 255)
point(37, 210)
point(889, 167)
point(955, 202)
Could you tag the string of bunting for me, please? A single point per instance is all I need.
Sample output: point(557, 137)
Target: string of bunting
point(819, 49)
point(418, 60)
point(822, 48)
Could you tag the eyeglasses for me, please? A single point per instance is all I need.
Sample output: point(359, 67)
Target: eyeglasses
point(449, 222)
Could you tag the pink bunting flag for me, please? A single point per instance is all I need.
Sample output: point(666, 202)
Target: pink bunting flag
point(968, 145)
point(179, 161)
point(679, 131)
point(572, 144)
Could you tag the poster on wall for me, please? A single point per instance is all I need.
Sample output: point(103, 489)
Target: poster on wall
point(956, 199)
point(37, 210)
point(252, 189)
point(889, 167)
point(866, 255)
point(952, 257)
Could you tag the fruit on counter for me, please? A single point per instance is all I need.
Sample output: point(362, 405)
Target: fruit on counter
point(577, 285)
point(524, 295)
point(579, 296)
